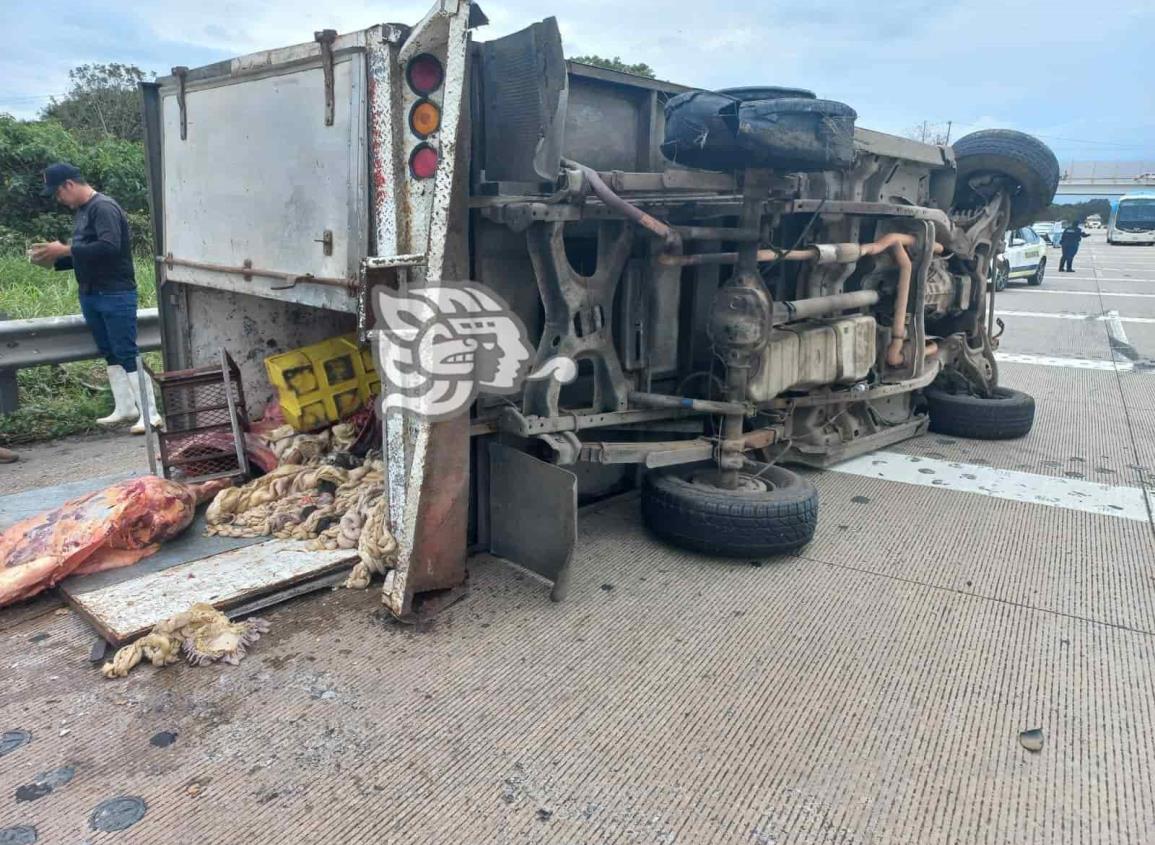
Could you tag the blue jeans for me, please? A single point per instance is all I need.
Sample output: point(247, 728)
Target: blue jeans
point(111, 317)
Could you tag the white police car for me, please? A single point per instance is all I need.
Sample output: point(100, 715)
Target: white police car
point(1025, 257)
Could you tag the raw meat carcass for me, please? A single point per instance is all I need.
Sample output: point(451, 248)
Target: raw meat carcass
point(113, 527)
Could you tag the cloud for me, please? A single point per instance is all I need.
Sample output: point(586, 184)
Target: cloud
point(1079, 74)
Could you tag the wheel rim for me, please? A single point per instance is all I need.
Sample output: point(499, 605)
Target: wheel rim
point(747, 483)
point(1041, 271)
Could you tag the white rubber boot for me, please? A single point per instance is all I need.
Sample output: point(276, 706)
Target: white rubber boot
point(126, 408)
point(147, 403)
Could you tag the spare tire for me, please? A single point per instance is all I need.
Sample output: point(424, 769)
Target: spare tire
point(1024, 159)
point(797, 135)
point(773, 512)
point(765, 92)
point(1006, 415)
point(762, 126)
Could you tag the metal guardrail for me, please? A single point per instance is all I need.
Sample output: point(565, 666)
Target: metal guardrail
point(57, 340)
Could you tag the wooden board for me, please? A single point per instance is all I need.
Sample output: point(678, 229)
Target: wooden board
point(121, 612)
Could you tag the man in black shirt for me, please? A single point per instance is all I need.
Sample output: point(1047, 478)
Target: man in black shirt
point(101, 256)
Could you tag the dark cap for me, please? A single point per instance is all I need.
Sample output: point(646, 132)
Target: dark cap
point(56, 175)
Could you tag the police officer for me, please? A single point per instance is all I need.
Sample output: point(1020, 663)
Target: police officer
point(1069, 242)
point(101, 255)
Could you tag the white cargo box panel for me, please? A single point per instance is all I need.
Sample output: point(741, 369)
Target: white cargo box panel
point(260, 178)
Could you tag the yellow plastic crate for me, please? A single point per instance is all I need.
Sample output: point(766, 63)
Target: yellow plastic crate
point(323, 383)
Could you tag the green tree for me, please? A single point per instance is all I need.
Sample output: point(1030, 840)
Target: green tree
point(1068, 212)
point(103, 102)
point(930, 133)
point(639, 69)
point(111, 165)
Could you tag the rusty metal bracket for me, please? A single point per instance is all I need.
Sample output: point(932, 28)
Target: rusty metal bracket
point(651, 454)
point(565, 445)
point(578, 314)
point(515, 422)
point(181, 74)
point(326, 241)
point(325, 38)
point(247, 271)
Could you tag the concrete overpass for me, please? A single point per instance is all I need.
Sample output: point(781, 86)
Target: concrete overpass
point(1106, 178)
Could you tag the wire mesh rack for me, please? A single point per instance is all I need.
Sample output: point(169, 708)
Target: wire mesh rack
point(204, 423)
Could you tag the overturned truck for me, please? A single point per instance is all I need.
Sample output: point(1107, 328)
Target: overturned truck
point(744, 279)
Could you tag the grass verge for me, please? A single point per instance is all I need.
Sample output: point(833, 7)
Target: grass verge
point(57, 400)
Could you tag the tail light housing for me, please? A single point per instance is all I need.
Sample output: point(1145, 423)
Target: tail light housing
point(424, 74)
point(423, 161)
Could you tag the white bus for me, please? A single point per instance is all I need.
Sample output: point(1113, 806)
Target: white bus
point(1133, 220)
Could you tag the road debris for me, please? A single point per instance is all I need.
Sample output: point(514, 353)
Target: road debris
point(45, 783)
point(1032, 739)
point(163, 739)
point(204, 635)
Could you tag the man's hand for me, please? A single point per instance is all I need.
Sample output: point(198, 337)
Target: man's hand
point(45, 255)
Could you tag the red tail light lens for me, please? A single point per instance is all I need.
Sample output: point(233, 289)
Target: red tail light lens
point(423, 162)
point(425, 74)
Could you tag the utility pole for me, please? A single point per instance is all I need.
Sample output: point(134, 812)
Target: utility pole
point(924, 131)
point(949, 123)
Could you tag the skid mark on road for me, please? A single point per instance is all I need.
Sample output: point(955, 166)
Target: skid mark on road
point(1068, 493)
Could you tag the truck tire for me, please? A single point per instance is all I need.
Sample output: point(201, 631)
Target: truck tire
point(1036, 278)
point(702, 126)
point(774, 512)
point(1005, 416)
point(793, 134)
point(785, 129)
point(1024, 159)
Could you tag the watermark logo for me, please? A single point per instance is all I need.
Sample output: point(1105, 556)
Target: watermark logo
point(437, 348)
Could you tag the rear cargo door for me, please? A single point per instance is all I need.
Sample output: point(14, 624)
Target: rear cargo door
point(265, 167)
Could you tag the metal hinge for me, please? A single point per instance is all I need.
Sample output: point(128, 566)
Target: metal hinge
point(325, 38)
point(181, 72)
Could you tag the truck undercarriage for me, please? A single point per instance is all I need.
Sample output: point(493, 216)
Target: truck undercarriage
point(790, 304)
point(742, 278)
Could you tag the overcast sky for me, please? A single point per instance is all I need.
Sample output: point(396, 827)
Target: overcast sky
point(1079, 75)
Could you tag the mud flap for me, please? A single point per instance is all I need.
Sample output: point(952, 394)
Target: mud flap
point(532, 514)
point(524, 136)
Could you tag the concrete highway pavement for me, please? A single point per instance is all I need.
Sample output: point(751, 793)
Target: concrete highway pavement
point(869, 690)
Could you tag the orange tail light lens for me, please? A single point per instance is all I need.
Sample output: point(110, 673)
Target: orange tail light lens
point(424, 118)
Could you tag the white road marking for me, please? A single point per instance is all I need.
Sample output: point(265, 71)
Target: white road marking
point(1070, 316)
point(1068, 493)
point(1052, 291)
point(1069, 363)
point(1115, 329)
point(1076, 278)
